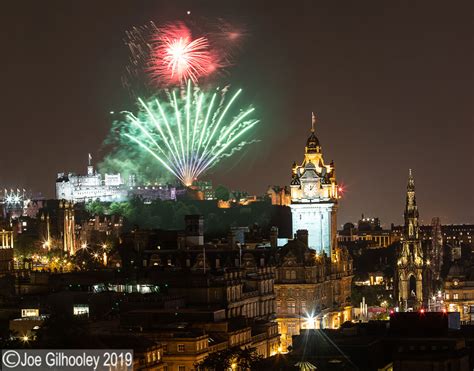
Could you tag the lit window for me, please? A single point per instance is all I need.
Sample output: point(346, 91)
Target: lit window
point(291, 307)
point(291, 329)
point(180, 347)
point(81, 310)
point(455, 296)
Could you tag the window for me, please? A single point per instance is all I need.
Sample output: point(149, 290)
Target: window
point(278, 306)
point(180, 347)
point(291, 307)
point(447, 296)
point(81, 310)
point(291, 329)
point(181, 368)
point(303, 306)
point(455, 296)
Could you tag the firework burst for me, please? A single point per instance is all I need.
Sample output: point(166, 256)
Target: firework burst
point(189, 132)
point(177, 57)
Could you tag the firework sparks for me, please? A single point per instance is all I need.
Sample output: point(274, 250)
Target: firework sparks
point(189, 134)
point(177, 57)
point(171, 54)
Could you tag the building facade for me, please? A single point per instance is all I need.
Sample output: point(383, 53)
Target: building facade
point(368, 230)
point(108, 188)
point(459, 291)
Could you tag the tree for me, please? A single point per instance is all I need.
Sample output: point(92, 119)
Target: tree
point(95, 207)
point(222, 193)
point(244, 359)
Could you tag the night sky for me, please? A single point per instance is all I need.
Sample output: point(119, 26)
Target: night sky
point(392, 85)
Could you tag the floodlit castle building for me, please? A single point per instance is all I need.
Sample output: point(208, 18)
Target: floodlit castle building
point(107, 188)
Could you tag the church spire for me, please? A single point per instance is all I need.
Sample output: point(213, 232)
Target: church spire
point(411, 210)
point(411, 182)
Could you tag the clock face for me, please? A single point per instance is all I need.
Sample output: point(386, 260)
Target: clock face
point(310, 190)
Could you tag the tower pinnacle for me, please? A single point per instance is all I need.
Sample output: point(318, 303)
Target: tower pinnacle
point(90, 168)
point(313, 121)
point(411, 181)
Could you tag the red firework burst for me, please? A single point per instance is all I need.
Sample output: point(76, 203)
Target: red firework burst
point(177, 57)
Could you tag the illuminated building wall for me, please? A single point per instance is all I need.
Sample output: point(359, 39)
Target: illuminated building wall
point(107, 188)
point(80, 188)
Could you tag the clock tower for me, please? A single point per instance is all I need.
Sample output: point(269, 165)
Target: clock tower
point(314, 195)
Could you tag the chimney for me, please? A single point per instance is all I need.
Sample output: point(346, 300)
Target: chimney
point(302, 235)
point(274, 237)
point(232, 239)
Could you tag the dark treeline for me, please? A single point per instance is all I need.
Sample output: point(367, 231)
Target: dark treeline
point(169, 215)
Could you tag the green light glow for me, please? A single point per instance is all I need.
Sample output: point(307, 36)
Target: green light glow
point(188, 133)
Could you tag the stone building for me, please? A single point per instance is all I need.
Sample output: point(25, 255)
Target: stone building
point(459, 291)
point(280, 196)
point(108, 187)
point(312, 291)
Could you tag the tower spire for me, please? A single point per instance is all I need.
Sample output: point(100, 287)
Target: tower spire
point(411, 181)
point(411, 210)
point(313, 121)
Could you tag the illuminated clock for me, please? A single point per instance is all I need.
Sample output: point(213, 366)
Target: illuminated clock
point(310, 190)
